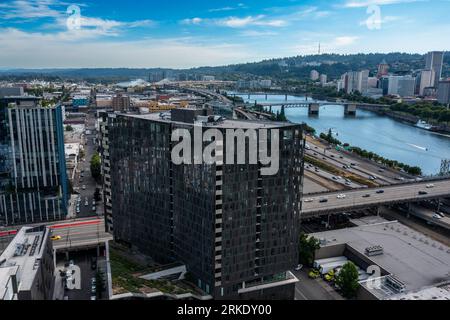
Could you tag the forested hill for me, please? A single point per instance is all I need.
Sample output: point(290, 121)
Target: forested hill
point(284, 68)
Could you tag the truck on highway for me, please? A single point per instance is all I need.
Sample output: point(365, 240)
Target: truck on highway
point(320, 262)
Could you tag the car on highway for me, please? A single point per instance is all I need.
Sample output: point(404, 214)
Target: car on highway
point(380, 191)
point(324, 200)
point(372, 178)
point(315, 153)
point(430, 186)
point(366, 196)
point(437, 217)
point(341, 196)
point(55, 238)
point(335, 178)
point(381, 170)
point(308, 200)
point(423, 193)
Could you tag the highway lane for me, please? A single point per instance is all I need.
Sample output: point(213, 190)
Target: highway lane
point(73, 234)
point(355, 198)
point(330, 176)
point(339, 160)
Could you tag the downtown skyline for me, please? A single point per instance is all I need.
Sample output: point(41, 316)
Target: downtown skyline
point(38, 34)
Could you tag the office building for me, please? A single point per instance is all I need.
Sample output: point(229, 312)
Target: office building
point(121, 103)
point(27, 266)
point(434, 62)
point(444, 92)
point(406, 86)
point(235, 229)
point(427, 78)
point(314, 75)
point(208, 78)
point(103, 140)
point(383, 69)
point(33, 178)
point(384, 85)
point(11, 92)
point(356, 81)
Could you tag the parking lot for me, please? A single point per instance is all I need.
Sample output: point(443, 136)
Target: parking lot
point(80, 268)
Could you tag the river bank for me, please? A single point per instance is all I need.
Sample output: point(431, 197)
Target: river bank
point(408, 118)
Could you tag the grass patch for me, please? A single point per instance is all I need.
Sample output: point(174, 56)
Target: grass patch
point(126, 273)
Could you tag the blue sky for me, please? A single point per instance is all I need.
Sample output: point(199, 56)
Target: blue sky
point(181, 34)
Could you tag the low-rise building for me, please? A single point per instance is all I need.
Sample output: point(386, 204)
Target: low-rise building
point(27, 266)
point(408, 260)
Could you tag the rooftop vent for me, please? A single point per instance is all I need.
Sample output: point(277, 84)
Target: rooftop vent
point(374, 251)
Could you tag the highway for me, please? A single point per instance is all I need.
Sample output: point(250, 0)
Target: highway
point(383, 176)
point(74, 234)
point(357, 199)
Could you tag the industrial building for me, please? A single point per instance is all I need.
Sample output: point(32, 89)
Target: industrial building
point(408, 260)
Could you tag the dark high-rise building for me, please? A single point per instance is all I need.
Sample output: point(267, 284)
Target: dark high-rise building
point(33, 179)
point(234, 228)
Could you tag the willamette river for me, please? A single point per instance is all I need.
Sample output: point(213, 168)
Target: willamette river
point(387, 137)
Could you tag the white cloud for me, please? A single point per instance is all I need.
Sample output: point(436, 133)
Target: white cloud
point(367, 3)
point(192, 21)
point(344, 41)
point(38, 50)
point(260, 20)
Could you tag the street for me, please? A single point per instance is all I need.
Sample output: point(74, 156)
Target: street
point(84, 185)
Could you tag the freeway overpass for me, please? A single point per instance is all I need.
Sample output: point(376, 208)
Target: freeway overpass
point(358, 199)
point(74, 234)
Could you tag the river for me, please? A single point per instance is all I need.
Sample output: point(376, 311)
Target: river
point(380, 134)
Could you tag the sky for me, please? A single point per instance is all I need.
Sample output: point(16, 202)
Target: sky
point(184, 34)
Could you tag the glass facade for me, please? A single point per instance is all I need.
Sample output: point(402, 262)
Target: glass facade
point(229, 224)
point(33, 181)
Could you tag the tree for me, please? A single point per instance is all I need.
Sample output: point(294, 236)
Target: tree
point(100, 283)
point(96, 167)
point(307, 249)
point(69, 128)
point(347, 280)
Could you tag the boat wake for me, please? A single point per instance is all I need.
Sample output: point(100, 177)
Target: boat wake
point(418, 147)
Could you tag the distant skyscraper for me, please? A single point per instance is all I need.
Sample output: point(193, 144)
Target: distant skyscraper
point(121, 103)
point(434, 62)
point(323, 79)
point(356, 81)
point(33, 178)
point(235, 229)
point(427, 78)
point(406, 86)
point(383, 69)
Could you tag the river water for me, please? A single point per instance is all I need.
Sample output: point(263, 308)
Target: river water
point(387, 137)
